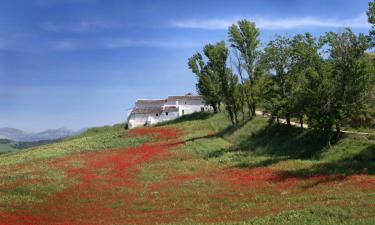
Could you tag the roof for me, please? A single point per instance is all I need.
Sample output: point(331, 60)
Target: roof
point(146, 110)
point(187, 97)
point(151, 100)
point(170, 107)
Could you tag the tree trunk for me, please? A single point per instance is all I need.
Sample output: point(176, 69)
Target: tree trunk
point(301, 121)
point(214, 106)
point(243, 113)
point(250, 108)
point(288, 119)
point(236, 117)
point(231, 117)
point(329, 140)
point(338, 130)
point(253, 109)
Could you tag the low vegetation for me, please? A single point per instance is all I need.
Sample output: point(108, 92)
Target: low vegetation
point(197, 169)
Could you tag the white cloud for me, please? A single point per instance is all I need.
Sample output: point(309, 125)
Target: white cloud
point(76, 44)
point(275, 24)
point(81, 27)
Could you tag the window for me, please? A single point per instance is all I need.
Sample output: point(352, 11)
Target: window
point(202, 109)
point(185, 103)
point(166, 113)
point(183, 112)
point(157, 114)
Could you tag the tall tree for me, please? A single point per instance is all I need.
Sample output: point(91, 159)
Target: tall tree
point(305, 60)
point(244, 39)
point(208, 82)
point(371, 19)
point(217, 55)
point(277, 58)
point(352, 74)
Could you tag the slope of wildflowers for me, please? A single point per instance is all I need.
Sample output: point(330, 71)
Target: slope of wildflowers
point(194, 170)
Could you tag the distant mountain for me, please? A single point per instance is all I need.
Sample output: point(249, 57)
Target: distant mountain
point(20, 135)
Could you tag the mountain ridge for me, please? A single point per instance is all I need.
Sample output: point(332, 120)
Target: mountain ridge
point(50, 134)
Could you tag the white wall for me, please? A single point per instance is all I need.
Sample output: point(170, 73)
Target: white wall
point(189, 106)
point(137, 120)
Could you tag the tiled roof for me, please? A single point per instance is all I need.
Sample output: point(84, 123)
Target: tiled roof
point(188, 97)
point(146, 110)
point(151, 100)
point(169, 107)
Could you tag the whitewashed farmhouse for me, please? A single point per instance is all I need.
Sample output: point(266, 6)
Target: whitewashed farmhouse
point(153, 111)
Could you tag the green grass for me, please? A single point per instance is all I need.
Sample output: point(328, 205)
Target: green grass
point(211, 144)
point(94, 139)
point(37, 158)
point(256, 143)
point(7, 148)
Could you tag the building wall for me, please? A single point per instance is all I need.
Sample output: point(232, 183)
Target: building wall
point(172, 114)
point(137, 120)
point(190, 106)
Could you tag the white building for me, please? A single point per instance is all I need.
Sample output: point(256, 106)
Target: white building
point(152, 111)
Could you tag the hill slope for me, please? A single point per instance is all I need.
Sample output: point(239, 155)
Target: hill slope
point(194, 170)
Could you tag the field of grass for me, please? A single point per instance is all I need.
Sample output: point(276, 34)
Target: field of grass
point(7, 146)
point(195, 170)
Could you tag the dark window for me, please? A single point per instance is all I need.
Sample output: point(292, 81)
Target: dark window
point(185, 103)
point(183, 112)
point(157, 114)
point(202, 109)
point(166, 113)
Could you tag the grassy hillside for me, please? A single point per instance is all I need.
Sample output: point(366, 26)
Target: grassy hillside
point(7, 146)
point(197, 169)
point(255, 143)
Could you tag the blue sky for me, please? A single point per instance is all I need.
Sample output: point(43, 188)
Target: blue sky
point(82, 63)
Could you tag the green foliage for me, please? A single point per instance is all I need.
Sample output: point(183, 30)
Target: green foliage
point(351, 75)
point(277, 58)
point(208, 84)
point(328, 83)
point(216, 82)
point(371, 19)
point(244, 39)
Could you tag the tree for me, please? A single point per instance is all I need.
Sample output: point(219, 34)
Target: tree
point(208, 82)
point(217, 55)
point(216, 82)
point(277, 58)
point(371, 19)
point(244, 39)
point(305, 60)
point(352, 74)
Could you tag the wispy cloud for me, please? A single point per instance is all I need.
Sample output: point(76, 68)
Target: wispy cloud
point(274, 23)
point(81, 27)
point(46, 3)
point(76, 44)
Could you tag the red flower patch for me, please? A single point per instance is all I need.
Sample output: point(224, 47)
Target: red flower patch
point(103, 189)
